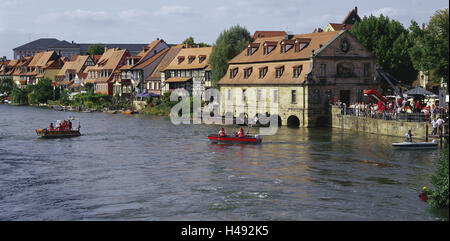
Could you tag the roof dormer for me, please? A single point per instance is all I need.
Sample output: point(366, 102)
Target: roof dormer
point(252, 48)
point(286, 45)
point(180, 59)
point(191, 58)
point(269, 46)
point(201, 58)
point(234, 72)
point(301, 43)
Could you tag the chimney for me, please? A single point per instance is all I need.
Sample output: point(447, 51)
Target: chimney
point(356, 10)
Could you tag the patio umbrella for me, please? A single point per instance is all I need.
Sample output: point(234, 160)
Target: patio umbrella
point(418, 91)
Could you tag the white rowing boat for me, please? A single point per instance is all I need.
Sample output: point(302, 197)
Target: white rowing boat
point(405, 144)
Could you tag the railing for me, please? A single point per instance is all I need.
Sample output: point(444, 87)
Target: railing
point(386, 115)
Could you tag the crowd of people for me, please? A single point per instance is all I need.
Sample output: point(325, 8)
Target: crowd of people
point(392, 109)
point(62, 126)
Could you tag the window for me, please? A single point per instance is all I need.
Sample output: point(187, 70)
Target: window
point(247, 72)
point(207, 76)
point(323, 70)
point(279, 71)
point(301, 43)
point(201, 58)
point(275, 96)
point(297, 71)
point(262, 72)
point(180, 59)
point(229, 95)
point(259, 96)
point(366, 69)
point(191, 58)
point(233, 72)
point(286, 45)
point(243, 95)
point(252, 48)
point(293, 96)
point(269, 46)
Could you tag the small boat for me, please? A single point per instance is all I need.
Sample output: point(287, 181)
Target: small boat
point(215, 138)
point(405, 144)
point(44, 133)
point(127, 112)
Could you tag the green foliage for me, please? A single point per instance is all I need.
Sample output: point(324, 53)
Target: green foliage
point(95, 49)
point(430, 51)
point(64, 99)
point(92, 101)
point(192, 43)
point(20, 95)
point(439, 195)
point(42, 92)
point(229, 44)
point(6, 85)
point(389, 41)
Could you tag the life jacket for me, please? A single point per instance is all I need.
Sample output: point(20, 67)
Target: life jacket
point(221, 133)
point(241, 134)
point(423, 197)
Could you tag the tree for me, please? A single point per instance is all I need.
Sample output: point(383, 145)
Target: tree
point(42, 92)
point(430, 51)
point(95, 49)
point(192, 43)
point(6, 85)
point(439, 195)
point(230, 43)
point(389, 41)
point(20, 95)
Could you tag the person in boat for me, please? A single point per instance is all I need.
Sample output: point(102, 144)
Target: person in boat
point(222, 132)
point(424, 194)
point(241, 133)
point(69, 125)
point(408, 136)
point(51, 128)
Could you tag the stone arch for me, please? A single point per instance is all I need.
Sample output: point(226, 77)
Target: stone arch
point(293, 121)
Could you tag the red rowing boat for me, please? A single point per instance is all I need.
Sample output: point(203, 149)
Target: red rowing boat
point(214, 138)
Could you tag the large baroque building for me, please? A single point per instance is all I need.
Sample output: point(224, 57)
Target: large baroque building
point(296, 77)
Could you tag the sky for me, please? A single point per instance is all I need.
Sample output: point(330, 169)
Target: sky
point(142, 21)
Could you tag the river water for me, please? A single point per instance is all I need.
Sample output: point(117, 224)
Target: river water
point(146, 168)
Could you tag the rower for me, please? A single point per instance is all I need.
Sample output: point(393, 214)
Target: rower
point(241, 133)
point(424, 194)
point(51, 127)
point(408, 136)
point(222, 132)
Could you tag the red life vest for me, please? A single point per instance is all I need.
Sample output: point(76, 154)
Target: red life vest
point(423, 197)
point(221, 133)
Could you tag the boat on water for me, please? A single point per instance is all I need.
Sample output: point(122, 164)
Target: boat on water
point(44, 133)
point(247, 139)
point(416, 145)
point(128, 112)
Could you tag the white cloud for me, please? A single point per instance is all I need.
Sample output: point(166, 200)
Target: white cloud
point(387, 11)
point(172, 10)
point(78, 14)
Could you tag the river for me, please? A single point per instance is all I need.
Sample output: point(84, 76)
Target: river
point(145, 168)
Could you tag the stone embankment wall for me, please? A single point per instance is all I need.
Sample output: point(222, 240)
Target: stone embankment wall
point(377, 126)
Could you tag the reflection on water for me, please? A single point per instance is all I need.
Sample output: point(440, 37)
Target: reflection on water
point(145, 168)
